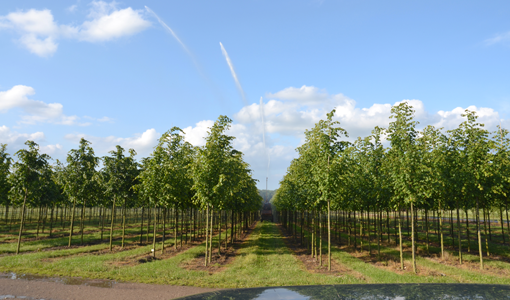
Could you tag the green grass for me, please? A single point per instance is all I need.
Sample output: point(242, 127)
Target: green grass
point(262, 260)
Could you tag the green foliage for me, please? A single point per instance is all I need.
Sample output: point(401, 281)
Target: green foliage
point(30, 175)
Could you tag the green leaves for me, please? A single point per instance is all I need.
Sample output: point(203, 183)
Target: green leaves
point(29, 175)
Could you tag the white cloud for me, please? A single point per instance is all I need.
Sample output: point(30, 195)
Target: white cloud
point(72, 8)
point(142, 143)
point(15, 139)
point(35, 111)
point(109, 23)
point(39, 32)
point(293, 110)
point(105, 119)
point(196, 135)
point(499, 38)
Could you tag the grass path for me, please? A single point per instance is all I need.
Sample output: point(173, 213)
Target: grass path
point(262, 260)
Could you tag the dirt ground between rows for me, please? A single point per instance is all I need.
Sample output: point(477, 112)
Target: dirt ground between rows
point(312, 264)
point(125, 291)
point(220, 262)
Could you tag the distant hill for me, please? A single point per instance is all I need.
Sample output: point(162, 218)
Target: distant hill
point(267, 194)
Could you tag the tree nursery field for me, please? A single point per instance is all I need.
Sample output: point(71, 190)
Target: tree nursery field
point(399, 206)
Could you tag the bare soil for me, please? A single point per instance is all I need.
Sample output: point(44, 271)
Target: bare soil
point(312, 264)
point(219, 262)
point(40, 289)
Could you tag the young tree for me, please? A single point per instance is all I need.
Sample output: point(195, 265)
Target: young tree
point(473, 144)
point(27, 179)
point(120, 172)
point(322, 145)
point(5, 164)
point(209, 172)
point(405, 161)
point(77, 178)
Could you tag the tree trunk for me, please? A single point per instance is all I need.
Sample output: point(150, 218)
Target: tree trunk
point(413, 249)
point(176, 223)
point(320, 239)
point(459, 236)
point(501, 221)
point(329, 236)
point(440, 215)
point(400, 240)
point(51, 219)
point(22, 221)
point(81, 221)
point(485, 230)
point(155, 230)
point(164, 229)
point(124, 223)
point(39, 220)
point(479, 233)
point(211, 234)
point(71, 226)
point(113, 220)
point(141, 226)
point(427, 230)
point(149, 220)
point(467, 232)
point(206, 235)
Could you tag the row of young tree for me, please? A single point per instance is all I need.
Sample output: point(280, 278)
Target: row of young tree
point(466, 169)
point(177, 176)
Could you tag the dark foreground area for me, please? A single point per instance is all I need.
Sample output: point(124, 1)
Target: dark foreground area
point(63, 288)
point(363, 291)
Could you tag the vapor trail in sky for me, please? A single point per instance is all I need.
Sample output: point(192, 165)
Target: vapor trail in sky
point(197, 65)
point(231, 66)
point(169, 29)
point(262, 113)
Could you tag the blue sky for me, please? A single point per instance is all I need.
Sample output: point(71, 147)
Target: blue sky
point(110, 72)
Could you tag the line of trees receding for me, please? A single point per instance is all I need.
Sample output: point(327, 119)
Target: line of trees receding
point(432, 170)
point(212, 180)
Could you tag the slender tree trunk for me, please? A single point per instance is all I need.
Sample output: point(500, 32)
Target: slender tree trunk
point(400, 240)
point(479, 233)
point(427, 230)
point(413, 250)
point(501, 221)
point(113, 220)
point(164, 229)
point(467, 232)
point(81, 222)
point(149, 220)
point(368, 232)
point(459, 236)
point(320, 239)
point(155, 231)
point(51, 218)
point(176, 223)
point(103, 210)
point(312, 242)
point(21, 221)
point(329, 236)
point(182, 225)
point(361, 233)
point(39, 216)
point(141, 226)
point(485, 231)
point(124, 223)
point(507, 223)
point(206, 235)
point(440, 215)
point(211, 234)
point(71, 226)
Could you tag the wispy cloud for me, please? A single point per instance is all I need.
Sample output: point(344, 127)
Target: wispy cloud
point(499, 38)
